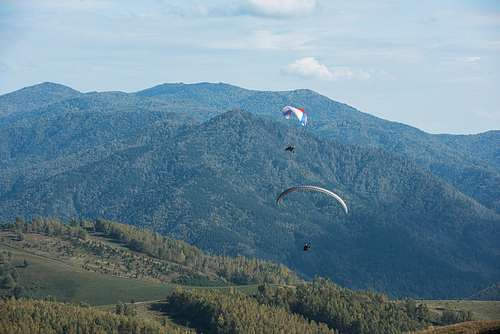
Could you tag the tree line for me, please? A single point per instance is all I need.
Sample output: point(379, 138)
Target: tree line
point(192, 262)
point(39, 316)
point(322, 307)
point(235, 312)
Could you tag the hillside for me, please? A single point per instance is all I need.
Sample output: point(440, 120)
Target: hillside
point(490, 293)
point(65, 141)
point(106, 262)
point(214, 185)
point(472, 327)
point(466, 162)
point(20, 105)
point(482, 145)
point(470, 163)
point(23, 316)
point(46, 256)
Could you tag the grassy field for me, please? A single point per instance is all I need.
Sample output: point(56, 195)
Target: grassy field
point(128, 264)
point(67, 283)
point(483, 310)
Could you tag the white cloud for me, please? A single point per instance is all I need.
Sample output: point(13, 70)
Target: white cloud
point(310, 67)
point(472, 59)
point(279, 7)
point(345, 73)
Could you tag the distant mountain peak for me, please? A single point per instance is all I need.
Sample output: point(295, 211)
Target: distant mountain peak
point(49, 88)
point(33, 97)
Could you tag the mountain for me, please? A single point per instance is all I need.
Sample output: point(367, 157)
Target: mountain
point(469, 163)
point(18, 105)
point(482, 145)
point(214, 185)
point(61, 141)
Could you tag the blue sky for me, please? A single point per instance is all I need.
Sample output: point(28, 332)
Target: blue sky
point(434, 64)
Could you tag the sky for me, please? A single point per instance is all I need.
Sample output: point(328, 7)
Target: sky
point(432, 64)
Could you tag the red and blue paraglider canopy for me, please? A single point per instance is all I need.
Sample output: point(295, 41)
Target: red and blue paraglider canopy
point(300, 113)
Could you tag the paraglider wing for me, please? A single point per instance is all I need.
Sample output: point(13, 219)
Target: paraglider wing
point(328, 192)
point(300, 113)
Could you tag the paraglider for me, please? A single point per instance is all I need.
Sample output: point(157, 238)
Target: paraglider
point(328, 192)
point(306, 247)
point(290, 148)
point(300, 113)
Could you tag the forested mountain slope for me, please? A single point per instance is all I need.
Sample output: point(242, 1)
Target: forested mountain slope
point(19, 105)
point(470, 163)
point(77, 132)
point(474, 170)
point(214, 185)
point(484, 146)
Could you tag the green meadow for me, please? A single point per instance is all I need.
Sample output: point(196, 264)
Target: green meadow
point(483, 310)
point(46, 276)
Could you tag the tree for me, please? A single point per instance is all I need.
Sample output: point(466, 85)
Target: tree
point(423, 313)
point(8, 282)
point(50, 298)
point(19, 292)
point(75, 222)
point(128, 310)
point(411, 307)
point(19, 221)
point(119, 308)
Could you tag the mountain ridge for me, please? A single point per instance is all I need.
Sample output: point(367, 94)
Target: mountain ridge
point(214, 185)
point(473, 169)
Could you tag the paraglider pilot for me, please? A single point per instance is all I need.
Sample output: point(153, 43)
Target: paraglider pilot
point(290, 148)
point(306, 247)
